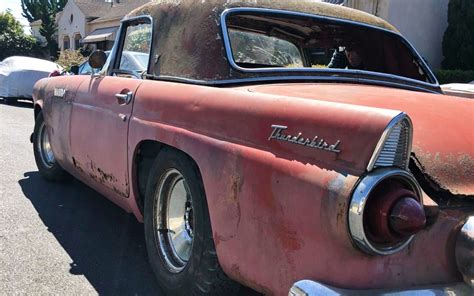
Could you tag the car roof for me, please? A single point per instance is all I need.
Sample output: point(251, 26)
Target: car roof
point(188, 40)
point(305, 6)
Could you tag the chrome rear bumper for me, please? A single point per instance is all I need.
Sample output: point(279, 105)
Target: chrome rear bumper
point(312, 288)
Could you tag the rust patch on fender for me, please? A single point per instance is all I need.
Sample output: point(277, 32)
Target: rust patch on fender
point(98, 175)
point(446, 176)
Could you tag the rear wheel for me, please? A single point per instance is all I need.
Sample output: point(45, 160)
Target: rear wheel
point(44, 156)
point(178, 230)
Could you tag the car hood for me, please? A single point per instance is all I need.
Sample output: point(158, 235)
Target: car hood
point(443, 138)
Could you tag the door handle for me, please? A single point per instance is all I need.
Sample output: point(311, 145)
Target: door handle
point(124, 99)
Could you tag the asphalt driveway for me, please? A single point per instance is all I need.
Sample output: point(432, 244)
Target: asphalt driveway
point(61, 238)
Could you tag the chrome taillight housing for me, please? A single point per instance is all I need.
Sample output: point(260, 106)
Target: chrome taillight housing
point(386, 208)
point(386, 211)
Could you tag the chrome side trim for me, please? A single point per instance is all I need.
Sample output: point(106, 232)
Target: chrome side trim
point(230, 57)
point(465, 251)
point(359, 201)
point(385, 135)
point(313, 288)
point(277, 79)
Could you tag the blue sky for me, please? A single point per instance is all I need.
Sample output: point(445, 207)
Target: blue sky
point(15, 6)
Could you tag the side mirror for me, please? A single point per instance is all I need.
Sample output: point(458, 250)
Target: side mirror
point(97, 59)
point(75, 69)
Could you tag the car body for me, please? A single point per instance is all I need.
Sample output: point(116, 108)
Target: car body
point(132, 60)
point(314, 179)
point(19, 74)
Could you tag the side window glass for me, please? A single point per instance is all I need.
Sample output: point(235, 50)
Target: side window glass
point(136, 49)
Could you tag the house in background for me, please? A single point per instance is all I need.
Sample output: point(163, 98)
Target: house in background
point(92, 23)
point(422, 22)
point(35, 32)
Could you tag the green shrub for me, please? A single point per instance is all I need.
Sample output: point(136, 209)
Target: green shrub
point(13, 41)
point(69, 58)
point(458, 41)
point(454, 76)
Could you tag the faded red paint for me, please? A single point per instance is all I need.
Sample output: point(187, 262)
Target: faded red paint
point(278, 210)
point(443, 126)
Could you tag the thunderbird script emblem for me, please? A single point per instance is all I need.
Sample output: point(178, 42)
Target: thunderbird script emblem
point(317, 143)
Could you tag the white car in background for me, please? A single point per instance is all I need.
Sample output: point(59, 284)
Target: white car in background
point(19, 74)
point(464, 90)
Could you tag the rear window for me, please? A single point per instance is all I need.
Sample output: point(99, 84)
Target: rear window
point(259, 50)
point(263, 40)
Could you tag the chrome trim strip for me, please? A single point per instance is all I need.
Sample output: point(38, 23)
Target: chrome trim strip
point(359, 200)
point(230, 56)
point(225, 82)
point(314, 288)
point(400, 117)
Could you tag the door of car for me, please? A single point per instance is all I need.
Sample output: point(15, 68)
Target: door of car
point(101, 113)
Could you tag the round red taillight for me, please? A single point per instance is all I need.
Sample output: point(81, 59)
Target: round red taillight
point(407, 217)
point(386, 211)
point(392, 213)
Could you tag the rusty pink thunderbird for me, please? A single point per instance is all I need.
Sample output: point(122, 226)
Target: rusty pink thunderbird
point(288, 146)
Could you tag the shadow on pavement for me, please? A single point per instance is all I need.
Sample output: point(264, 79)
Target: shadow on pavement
point(18, 103)
point(106, 244)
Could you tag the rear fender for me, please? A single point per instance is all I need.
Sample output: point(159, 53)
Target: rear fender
point(267, 198)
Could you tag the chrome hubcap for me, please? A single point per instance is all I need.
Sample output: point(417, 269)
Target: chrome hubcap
point(174, 220)
point(44, 147)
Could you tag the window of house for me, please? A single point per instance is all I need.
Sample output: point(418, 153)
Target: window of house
point(77, 41)
point(66, 43)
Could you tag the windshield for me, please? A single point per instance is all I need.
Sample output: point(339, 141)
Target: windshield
point(142, 59)
point(260, 40)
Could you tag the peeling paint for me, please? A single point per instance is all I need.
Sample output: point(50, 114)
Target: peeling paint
point(451, 176)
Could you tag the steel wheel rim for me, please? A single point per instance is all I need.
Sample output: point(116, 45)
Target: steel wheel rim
point(44, 147)
point(174, 220)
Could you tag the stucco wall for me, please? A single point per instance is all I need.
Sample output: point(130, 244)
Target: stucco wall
point(65, 27)
point(422, 22)
point(35, 32)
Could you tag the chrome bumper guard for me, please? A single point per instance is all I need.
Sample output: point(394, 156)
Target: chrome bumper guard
point(312, 288)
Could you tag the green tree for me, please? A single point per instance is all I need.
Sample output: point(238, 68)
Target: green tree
point(44, 10)
point(13, 40)
point(458, 41)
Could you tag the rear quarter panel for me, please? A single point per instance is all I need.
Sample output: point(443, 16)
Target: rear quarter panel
point(278, 210)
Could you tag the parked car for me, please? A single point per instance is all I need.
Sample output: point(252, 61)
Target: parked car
point(464, 90)
point(19, 74)
point(136, 61)
point(289, 146)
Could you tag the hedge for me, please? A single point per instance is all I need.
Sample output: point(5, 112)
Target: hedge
point(454, 76)
point(458, 41)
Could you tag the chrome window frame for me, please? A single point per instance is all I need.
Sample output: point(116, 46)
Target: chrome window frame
point(328, 72)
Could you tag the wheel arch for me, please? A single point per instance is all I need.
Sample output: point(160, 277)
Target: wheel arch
point(37, 109)
point(144, 154)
